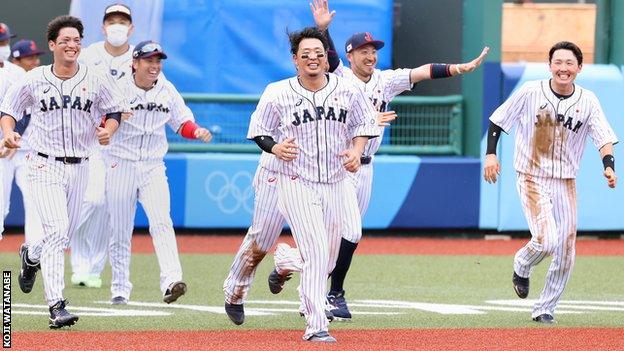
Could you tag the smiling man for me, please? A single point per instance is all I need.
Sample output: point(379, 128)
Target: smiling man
point(554, 117)
point(67, 102)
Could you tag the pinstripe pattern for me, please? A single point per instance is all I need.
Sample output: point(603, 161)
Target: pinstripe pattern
point(136, 172)
point(126, 183)
point(550, 140)
point(550, 209)
point(89, 245)
point(551, 134)
point(265, 229)
point(330, 210)
point(58, 189)
point(63, 120)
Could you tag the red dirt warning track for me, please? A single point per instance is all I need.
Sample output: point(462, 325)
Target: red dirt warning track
point(208, 244)
point(357, 340)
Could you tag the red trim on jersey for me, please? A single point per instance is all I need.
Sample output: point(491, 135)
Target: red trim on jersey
point(187, 130)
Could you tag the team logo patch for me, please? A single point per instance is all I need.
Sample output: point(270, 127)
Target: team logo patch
point(272, 179)
point(45, 91)
point(543, 106)
point(294, 177)
point(299, 102)
point(368, 37)
point(114, 164)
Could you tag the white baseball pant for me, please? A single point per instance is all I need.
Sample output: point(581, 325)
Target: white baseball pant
point(550, 209)
point(58, 190)
point(146, 182)
point(318, 214)
point(266, 226)
point(89, 244)
point(363, 182)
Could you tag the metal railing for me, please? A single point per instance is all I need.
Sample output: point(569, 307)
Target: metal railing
point(426, 125)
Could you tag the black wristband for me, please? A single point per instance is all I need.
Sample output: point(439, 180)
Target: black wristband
point(114, 115)
point(440, 70)
point(265, 142)
point(494, 133)
point(608, 161)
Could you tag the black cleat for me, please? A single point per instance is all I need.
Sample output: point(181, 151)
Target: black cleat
point(235, 312)
point(521, 286)
point(338, 304)
point(28, 270)
point(174, 291)
point(119, 300)
point(59, 317)
point(276, 281)
point(545, 318)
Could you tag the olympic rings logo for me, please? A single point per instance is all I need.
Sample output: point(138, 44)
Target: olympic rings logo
point(230, 194)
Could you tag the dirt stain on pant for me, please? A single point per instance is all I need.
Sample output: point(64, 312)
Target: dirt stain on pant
point(543, 137)
point(251, 258)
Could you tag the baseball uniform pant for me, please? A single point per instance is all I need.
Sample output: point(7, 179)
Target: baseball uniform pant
point(266, 226)
point(318, 214)
point(550, 208)
point(17, 167)
point(89, 244)
point(363, 182)
point(58, 189)
point(144, 181)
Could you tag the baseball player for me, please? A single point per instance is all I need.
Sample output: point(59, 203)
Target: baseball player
point(323, 123)
point(113, 57)
point(380, 87)
point(67, 102)
point(25, 54)
point(136, 171)
point(8, 69)
point(553, 117)
point(13, 162)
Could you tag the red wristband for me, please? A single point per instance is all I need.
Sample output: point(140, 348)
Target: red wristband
point(187, 130)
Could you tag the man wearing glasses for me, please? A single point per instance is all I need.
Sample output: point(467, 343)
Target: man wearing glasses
point(67, 102)
point(135, 171)
point(321, 123)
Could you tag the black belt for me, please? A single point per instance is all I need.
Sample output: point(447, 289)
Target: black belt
point(72, 160)
point(366, 160)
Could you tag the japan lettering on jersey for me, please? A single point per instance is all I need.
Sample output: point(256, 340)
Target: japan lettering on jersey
point(64, 113)
point(551, 133)
point(142, 137)
point(117, 67)
point(381, 89)
point(323, 124)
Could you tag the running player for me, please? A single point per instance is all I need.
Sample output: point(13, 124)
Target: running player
point(136, 171)
point(554, 118)
point(89, 245)
point(314, 192)
point(380, 87)
point(67, 102)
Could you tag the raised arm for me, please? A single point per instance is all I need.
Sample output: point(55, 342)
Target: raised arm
point(323, 18)
point(444, 70)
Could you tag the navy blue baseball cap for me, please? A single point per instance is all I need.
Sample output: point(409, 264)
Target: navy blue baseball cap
point(25, 48)
point(147, 49)
point(360, 39)
point(5, 32)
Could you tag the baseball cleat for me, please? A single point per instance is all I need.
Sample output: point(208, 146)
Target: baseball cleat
point(276, 281)
point(59, 317)
point(28, 270)
point(338, 306)
point(521, 286)
point(235, 312)
point(545, 318)
point(322, 336)
point(174, 291)
point(119, 300)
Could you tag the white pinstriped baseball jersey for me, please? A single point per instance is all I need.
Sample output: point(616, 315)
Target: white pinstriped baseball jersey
point(96, 56)
point(382, 87)
point(143, 137)
point(12, 71)
point(65, 113)
point(321, 122)
point(550, 138)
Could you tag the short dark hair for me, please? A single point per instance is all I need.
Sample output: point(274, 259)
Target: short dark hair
point(306, 33)
point(566, 45)
point(60, 22)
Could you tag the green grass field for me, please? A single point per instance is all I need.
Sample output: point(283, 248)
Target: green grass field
point(420, 283)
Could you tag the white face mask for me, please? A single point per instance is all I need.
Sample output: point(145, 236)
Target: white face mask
point(117, 34)
point(5, 52)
